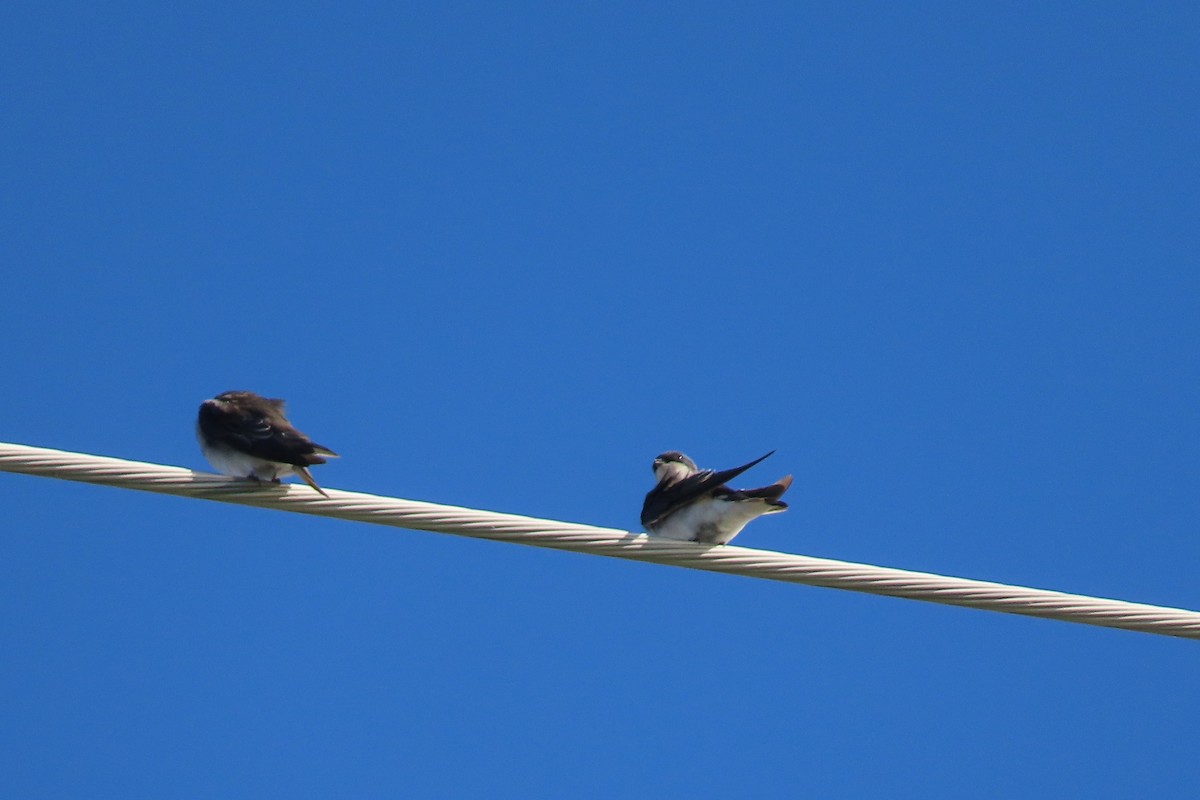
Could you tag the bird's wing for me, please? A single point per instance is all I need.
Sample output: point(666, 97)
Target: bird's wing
point(664, 500)
point(266, 436)
point(770, 493)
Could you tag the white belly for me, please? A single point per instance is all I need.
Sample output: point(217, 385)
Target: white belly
point(235, 464)
point(711, 520)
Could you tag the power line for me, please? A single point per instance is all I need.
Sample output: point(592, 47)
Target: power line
point(744, 561)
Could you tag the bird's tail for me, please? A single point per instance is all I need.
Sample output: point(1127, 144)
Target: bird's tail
point(770, 494)
point(307, 478)
point(322, 451)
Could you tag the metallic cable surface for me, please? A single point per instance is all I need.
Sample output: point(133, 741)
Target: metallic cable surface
point(730, 559)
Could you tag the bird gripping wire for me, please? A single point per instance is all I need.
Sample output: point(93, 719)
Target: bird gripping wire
point(730, 559)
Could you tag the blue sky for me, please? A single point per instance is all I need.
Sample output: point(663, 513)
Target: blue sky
point(942, 258)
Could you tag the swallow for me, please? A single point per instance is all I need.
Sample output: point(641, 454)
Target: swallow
point(695, 505)
point(247, 436)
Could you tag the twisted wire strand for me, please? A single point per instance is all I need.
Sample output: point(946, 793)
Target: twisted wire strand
point(730, 559)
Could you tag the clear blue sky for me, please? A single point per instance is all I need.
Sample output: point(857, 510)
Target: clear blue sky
point(943, 259)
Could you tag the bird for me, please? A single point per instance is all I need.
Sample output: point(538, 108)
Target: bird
point(695, 505)
point(245, 435)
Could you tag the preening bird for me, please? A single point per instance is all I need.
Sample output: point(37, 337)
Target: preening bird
point(244, 435)
point(695, 505)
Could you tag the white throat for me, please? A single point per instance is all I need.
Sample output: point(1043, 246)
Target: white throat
point(671, 471)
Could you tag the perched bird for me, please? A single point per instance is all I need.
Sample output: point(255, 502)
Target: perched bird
point(696, 506)
point(244, 435)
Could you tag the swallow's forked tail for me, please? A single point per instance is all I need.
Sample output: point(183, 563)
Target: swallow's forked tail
point(307, 478)
point(770, 494)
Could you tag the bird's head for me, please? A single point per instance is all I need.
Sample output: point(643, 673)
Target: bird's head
point(672, 466)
